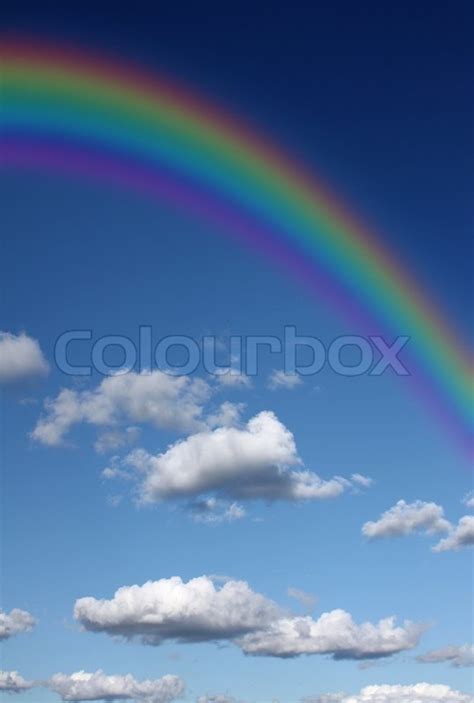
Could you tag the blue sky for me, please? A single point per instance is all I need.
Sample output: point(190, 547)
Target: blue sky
point(379, 103)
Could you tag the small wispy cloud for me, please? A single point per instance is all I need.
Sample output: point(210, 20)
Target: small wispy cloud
point(456, 656)
point(212, 511)
point(307, 600)
point(279, 379)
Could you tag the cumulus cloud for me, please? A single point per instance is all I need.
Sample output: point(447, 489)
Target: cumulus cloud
point(407, 518)
point(334, 633)
point(20, 357)
point(83, 686)
point(171, 609)
point(461, 656)
point(252, 462)
point(169, 402)
point(200, 611)
point(280, 379)
point(15, 622)
point(416, 693)
point(461, 535)
point(12, 682)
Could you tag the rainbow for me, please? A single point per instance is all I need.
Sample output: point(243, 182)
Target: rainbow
point(66, 110)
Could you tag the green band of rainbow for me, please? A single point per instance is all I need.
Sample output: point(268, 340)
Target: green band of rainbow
point(65, 93)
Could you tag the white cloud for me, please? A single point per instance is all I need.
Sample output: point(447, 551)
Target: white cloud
point(12, 682)
point(361, 480)
point(227, 415)
point(468, 499)
point(461, 656)
point(170, 402)
point(83, 686)
point(113, 471)
point(280, 379)
point(334, 633)
point(416, 693)
point(461, 535)
point(15, 622)
point(20, 357)
point(218, 698)
point(253, 462)
point(407, 518)
point(212, 511)
point(172, 609)
point(200, 611)
point(115, 439)
point(234, 379)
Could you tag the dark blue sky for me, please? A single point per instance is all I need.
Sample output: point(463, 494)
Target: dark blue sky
point(377, 96)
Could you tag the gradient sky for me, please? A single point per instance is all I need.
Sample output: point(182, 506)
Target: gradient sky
point(378, 100)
